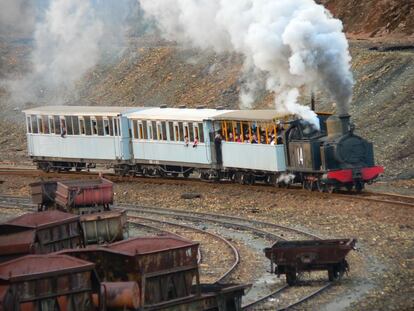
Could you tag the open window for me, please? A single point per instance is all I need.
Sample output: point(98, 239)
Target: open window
point(116, 127)
point(62, 126)
point(145, 130)
point(200, 133)
point(56, 120)
point(51, 125)
point(28, 124)
point(176, 132)
point(181, 131)
point(69, 125)
point(191, 131)
point(164, 130)
point(159, 131)
point(94, 126)
point(34, 124)
point(45, 122)
point(75, 125)
point(150, 131)
point(134, 125)
point(100, 125)
point(171, 130)
point(40, 124)
point(82, 130)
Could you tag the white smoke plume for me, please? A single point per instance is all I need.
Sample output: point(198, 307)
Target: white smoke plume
point(17, 17)
point(295, 43)
point(69, 39)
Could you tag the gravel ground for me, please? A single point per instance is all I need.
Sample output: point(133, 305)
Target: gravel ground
point(383, 267)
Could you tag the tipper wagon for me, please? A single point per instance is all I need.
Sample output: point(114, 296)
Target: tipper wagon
point(293, 257)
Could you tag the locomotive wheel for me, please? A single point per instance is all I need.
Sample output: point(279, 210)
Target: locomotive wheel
point(320, 186)
point(359, 186)
point(349, 187)
point(331, 188)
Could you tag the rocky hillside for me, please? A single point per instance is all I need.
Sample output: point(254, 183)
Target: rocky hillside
point(374, 18)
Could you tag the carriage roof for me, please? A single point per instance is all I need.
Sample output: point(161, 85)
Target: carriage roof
point(81, 110)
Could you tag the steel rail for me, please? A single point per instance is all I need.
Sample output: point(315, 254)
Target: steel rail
point(306, 298)
point(215, 217)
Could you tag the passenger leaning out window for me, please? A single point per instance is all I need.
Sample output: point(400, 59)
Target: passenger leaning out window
point(186, 141)
point(62, 128)
point(195, 142)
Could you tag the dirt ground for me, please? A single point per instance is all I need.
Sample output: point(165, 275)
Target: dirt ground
point(385, 232)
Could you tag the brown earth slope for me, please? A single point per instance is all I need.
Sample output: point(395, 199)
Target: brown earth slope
point(373, 18)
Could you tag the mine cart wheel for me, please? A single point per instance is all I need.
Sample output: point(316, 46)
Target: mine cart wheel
point(291, 277)
point(335, 273)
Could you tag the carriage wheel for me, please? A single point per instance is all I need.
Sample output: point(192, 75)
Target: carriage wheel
point(349, 187)
point(359, 186)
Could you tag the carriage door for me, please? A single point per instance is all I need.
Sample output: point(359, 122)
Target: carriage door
point(117, 138)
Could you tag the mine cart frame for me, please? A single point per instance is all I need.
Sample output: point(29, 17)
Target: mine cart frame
point(293, 257)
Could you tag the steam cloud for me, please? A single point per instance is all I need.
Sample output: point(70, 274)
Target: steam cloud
point(296, 44)
point(70, 38)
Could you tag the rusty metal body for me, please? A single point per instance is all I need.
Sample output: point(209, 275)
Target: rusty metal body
point(77, 193)
point(165, 267)
point(39, 233)
point(43, 193)
point(47, 282)
point(105, 227)
point(292, 257)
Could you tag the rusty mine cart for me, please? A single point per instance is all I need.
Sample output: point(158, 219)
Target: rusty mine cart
point(293, 257)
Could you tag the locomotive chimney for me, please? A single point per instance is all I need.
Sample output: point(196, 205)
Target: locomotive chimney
point(345, 123)
point(313, 101)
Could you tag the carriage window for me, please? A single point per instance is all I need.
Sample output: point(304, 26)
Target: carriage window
point(144, 125)
point(34, 124)
point(82, 126)
point(69, 128)
point(99, 121)
point(28, 124)
point(196, 135)
point(140, 130)
point(94, 126)
point(201, 133)
point(75, 124)
point(45, 121)
point(159, 132)
point(56, 120)
point(190, 129)
point(51, 125)
point(177, 132)
point(186, 132)
point(154, 130)
point(40, 124)
point(171, 130)
point(150, 132)
point(106, 127)
point(180, 127)
point(164, 130)
point(110, 122)
point(116, 127)
point(87, 125)
point(135, 127)
point(62, 127)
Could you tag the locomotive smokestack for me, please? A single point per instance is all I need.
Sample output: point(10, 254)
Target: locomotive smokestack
point(345, 124)
point(313, 101)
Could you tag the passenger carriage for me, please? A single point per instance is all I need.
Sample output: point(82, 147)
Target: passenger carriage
point(66, 137)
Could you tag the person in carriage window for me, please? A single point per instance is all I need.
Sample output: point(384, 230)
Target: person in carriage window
point(254, 139)
point(62, 128)
point(195, 143)
point(217, 144)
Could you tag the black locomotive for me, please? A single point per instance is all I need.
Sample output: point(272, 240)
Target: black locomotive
point(329, 158)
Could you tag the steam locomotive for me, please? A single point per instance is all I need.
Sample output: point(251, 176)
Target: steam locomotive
point(331, 158)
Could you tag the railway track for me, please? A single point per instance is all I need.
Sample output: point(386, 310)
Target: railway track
point(378, 197)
